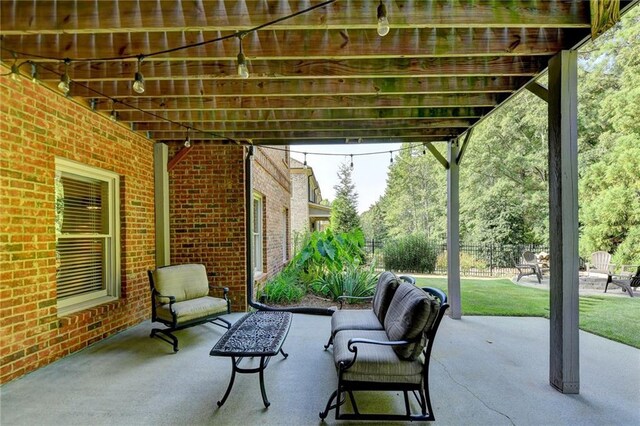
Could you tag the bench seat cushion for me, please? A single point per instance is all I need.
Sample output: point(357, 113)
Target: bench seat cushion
point(354, 319)
point(193, 309)
point(375, 363)
point(385, 289)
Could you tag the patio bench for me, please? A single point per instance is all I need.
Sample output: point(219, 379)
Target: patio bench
point(180, 299)
point(368, 319)
point(395, 358)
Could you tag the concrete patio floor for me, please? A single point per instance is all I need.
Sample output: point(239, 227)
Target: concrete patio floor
point(484, 371)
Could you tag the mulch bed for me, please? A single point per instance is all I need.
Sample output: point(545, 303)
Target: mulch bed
point(313, 301)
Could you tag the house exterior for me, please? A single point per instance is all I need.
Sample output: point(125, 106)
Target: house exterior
point(78, 222)
point(307, 212)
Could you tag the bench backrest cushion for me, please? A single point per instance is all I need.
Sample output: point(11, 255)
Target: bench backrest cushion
point(385, 289)
point(411, 313)
point(184, 282)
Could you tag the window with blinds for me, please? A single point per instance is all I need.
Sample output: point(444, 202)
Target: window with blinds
point(87, 243)
point(257, 233)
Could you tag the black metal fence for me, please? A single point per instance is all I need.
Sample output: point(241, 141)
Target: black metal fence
point(476, 259)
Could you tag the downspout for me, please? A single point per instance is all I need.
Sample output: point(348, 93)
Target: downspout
point(248, 200)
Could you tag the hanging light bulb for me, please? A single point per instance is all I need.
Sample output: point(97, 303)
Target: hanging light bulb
point(424, 149)
point(383, 22)
point(243, 71)
point(65, 81)
point(34, 72)
point(187, 141)
point(15, 72)
point(351, 165)
point(391, 157)
point(114, 115)
point(305, 161)
point(138, 82)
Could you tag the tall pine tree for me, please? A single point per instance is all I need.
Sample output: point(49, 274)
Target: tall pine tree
point(344, 211)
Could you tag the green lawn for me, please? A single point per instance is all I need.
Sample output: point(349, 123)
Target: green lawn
point(616, 318)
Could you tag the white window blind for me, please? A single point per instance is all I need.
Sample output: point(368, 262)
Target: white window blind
point(257, 233)
point(87, 232)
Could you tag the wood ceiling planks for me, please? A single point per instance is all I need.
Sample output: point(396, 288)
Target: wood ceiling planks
point(324, 76)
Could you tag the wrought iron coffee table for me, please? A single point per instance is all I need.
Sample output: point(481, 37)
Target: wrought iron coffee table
point(256, 334)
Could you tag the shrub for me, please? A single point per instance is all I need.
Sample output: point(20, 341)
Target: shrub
point(328, 252)
point(354, 281)
point(413, 253)
point(283, 288)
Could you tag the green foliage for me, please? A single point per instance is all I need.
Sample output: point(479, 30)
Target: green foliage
point(328, 252)
point(413, 253)
point(354, 281)
point(373, 223)
point(344, 212)
point(283, 288)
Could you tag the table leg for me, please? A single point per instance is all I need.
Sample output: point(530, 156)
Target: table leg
point(233, 377)
point(283, 353)
point(262, 389)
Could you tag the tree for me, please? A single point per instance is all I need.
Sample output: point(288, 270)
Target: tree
point(373, 222)
point(344, 211)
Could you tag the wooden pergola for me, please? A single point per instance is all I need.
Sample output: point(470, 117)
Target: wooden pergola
point(319, 73)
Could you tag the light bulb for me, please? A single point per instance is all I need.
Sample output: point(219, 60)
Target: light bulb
point(64, 84)
point(383, 22)
point(114, 116)
point(187, 143)
point(138, 84)
point(34, 72)
point(15, 72)
point(243, 71)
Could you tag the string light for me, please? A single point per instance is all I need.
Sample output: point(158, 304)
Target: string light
point(351, 165)
point(114, 115)
point(391, 157)
point(15, 72)
point(383, 21)
point(304, 166)
point(243, 71)
point(187, 141)
point(138, 82)
point(424, 149)
point(34, 72)
point(65, 81)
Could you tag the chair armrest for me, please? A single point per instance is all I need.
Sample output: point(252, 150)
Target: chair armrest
point(225, 290)
point(355, 340)
point(172, 299)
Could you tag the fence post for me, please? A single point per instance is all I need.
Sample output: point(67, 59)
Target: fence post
point(491, 259)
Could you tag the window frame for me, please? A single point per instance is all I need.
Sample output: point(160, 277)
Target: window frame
point(258, 234)
point(111, 272)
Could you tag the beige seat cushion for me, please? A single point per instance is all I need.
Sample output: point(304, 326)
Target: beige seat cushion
point(410, 313)
point(354, 319)
point(193, 309)
point(375, 363)
point(184, 282)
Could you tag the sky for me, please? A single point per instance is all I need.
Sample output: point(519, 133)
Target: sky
point(369, 171)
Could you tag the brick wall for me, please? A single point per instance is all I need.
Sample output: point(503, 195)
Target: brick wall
point(36, 125)
point(299, 202)
point(207, 216)
point(271, 179)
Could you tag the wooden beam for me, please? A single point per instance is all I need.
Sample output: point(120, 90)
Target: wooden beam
point(305, 115)
point(564, 372)
point(463, 148)
point(311, 102)
point(453, 232)
point(179, 156)
point(303, 69)
point(437, 155)
point(217, 88)
point(229, 16)
point(312, 44)
point(313, 141)
point(538, 90)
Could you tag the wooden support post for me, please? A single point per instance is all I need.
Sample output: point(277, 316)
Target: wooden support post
point(453, 231)
point(564, 372)
point(464, 146)
point(538, 90)
point(434, 151)
point(161, 198)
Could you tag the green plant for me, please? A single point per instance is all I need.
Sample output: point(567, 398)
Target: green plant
point(327, 252)
point(283, 288)
point(354, 280)
point(413, 253)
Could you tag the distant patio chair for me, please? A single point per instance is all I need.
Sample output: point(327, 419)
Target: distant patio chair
point(625, 281)
point(529, 266)
point(601, 264)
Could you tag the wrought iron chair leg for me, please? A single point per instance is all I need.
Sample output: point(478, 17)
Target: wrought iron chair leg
point(262, 389)
point(353, 402)
point(233, 377)
point(406, 403)
point(159, 333)
point(329, 343)
point(323, 414)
